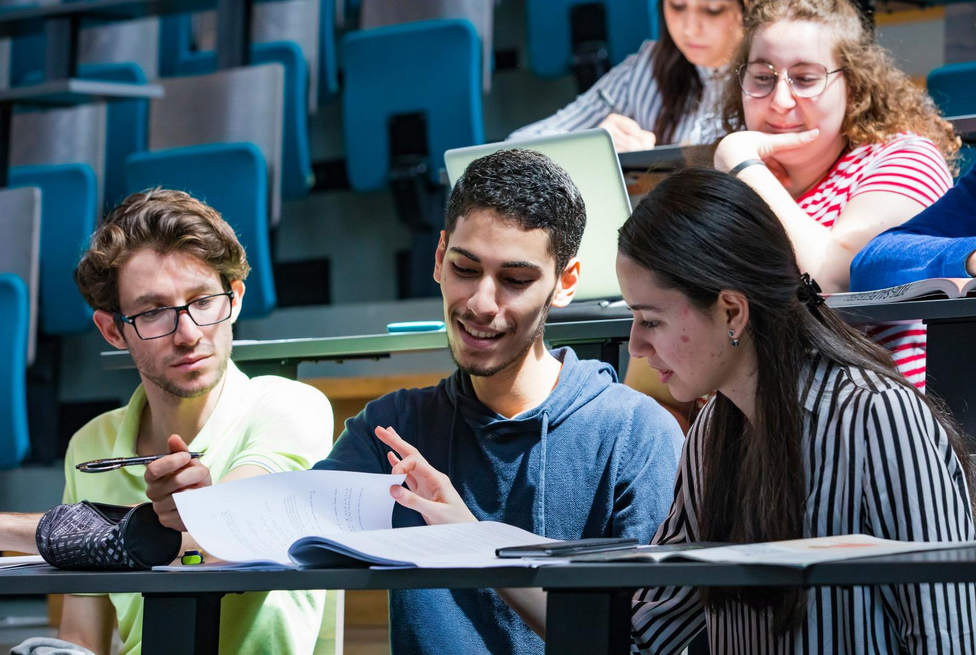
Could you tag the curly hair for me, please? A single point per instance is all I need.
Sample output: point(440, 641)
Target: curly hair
point(881, 100)
point(165, 221)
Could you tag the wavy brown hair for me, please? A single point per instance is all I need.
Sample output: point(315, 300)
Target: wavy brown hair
point(165, 221)
point(881, 100)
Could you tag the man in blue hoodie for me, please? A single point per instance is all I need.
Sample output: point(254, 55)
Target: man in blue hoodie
point(530, 437)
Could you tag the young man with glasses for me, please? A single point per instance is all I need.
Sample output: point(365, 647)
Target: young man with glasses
point(165, 276)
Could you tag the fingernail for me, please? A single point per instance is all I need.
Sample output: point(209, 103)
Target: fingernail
point(396, 492)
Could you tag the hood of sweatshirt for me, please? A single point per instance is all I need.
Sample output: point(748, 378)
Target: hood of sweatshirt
point(519, 446)
point(580, 381)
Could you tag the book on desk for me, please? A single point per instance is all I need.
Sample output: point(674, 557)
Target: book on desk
point(319, 519)
point(934, 288)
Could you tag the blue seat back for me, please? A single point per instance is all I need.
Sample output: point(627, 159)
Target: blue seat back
point(328, 55)
point(231, 178)
point(432, 67)
point(14, 438)
point(175, 42)
point(549, 33)
point(296, 165)
point(69, 210)
point(128, 126)
point(953, 87)
point(27, 56)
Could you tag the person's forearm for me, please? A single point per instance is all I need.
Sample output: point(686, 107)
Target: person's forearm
point(17, 532)
point(529, 604)
point(811, 241)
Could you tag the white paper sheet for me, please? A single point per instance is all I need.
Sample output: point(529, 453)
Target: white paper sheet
point(259, 518)
point(456, 545)
point(22, 561)
point(806, 552)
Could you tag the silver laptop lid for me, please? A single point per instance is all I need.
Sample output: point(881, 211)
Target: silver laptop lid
point(589, 158)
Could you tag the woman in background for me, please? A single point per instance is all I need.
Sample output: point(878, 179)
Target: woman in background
point(834, 133)
point(669, 91)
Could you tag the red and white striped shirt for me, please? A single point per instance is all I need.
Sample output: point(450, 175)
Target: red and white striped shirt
point(910, 166)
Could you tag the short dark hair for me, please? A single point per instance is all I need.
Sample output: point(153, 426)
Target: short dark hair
point(528, 188)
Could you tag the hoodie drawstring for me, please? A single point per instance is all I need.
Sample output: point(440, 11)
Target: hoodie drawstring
point(541, 509)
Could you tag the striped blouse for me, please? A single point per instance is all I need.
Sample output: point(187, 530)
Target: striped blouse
point(876, 462)
point(632, 91)
point(910, 166)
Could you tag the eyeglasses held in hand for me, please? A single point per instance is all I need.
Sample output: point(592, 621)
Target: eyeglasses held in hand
point(163, 321)
point(758, 79)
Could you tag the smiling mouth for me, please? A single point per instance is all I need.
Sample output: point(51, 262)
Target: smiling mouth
point(480, 334)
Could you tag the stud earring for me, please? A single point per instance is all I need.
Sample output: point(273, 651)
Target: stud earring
point(732, 339)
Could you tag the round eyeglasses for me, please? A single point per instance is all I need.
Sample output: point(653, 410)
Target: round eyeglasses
point(163, 321)
point(758, 79)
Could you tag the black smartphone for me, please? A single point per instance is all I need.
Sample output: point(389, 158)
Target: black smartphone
point(567, 548)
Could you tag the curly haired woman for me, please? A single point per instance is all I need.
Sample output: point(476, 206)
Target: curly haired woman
point(841, 137)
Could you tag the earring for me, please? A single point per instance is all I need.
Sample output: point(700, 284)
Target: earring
point(732, 339)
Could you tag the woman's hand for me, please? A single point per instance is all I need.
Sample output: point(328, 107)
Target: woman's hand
point(737, 147)
point(429, 491)
point(627, 135)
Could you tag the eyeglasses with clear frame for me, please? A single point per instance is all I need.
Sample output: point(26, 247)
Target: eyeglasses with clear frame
point(758, 79)
point(163, 321)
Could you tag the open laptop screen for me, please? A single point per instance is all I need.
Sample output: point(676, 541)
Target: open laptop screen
point(589, 158)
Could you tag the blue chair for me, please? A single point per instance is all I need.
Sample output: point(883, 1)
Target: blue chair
point(328, 56)
point(69, 210)
point(14, 437)
point(550, 35)
point(431, 68)
point(953, 87)
point(296, 165)
point(127, 131)
point(216, 173)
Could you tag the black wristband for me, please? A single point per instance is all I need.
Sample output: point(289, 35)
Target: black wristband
point(738, 168)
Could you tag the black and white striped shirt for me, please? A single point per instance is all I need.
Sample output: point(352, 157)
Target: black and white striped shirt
point(632, 91)
point(876, 462)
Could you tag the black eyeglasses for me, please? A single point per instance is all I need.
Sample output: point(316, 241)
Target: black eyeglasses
point(163, 321)
point(758, 79)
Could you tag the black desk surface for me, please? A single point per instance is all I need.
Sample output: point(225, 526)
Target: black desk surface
point(955, 565)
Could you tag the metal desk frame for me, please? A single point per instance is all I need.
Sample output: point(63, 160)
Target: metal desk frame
point(588, 605)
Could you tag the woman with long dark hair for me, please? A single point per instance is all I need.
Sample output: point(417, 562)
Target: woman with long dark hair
point(669, 91)
point(811, 432)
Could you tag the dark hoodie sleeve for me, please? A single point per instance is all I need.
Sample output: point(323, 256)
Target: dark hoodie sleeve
point(357, 448)
point(646, 470)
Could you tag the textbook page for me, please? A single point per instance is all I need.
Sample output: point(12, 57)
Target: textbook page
point(806, 552)
point(258, 519)
point(451, 545)
point(22, 562)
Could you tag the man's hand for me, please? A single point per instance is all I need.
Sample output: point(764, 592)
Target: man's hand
point(627, 135)
point(429, 491)
point(172, 474)
point(971, 264)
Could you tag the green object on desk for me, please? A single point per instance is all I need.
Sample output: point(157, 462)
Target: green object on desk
point(191, 557)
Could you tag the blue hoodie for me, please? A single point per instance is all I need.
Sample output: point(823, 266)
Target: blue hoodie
point(596, 459)
point(935, 243)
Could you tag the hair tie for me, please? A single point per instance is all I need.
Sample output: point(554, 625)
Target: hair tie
point(809, 292)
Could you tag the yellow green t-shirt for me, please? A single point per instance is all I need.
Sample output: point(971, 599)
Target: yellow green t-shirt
point(271, 422)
